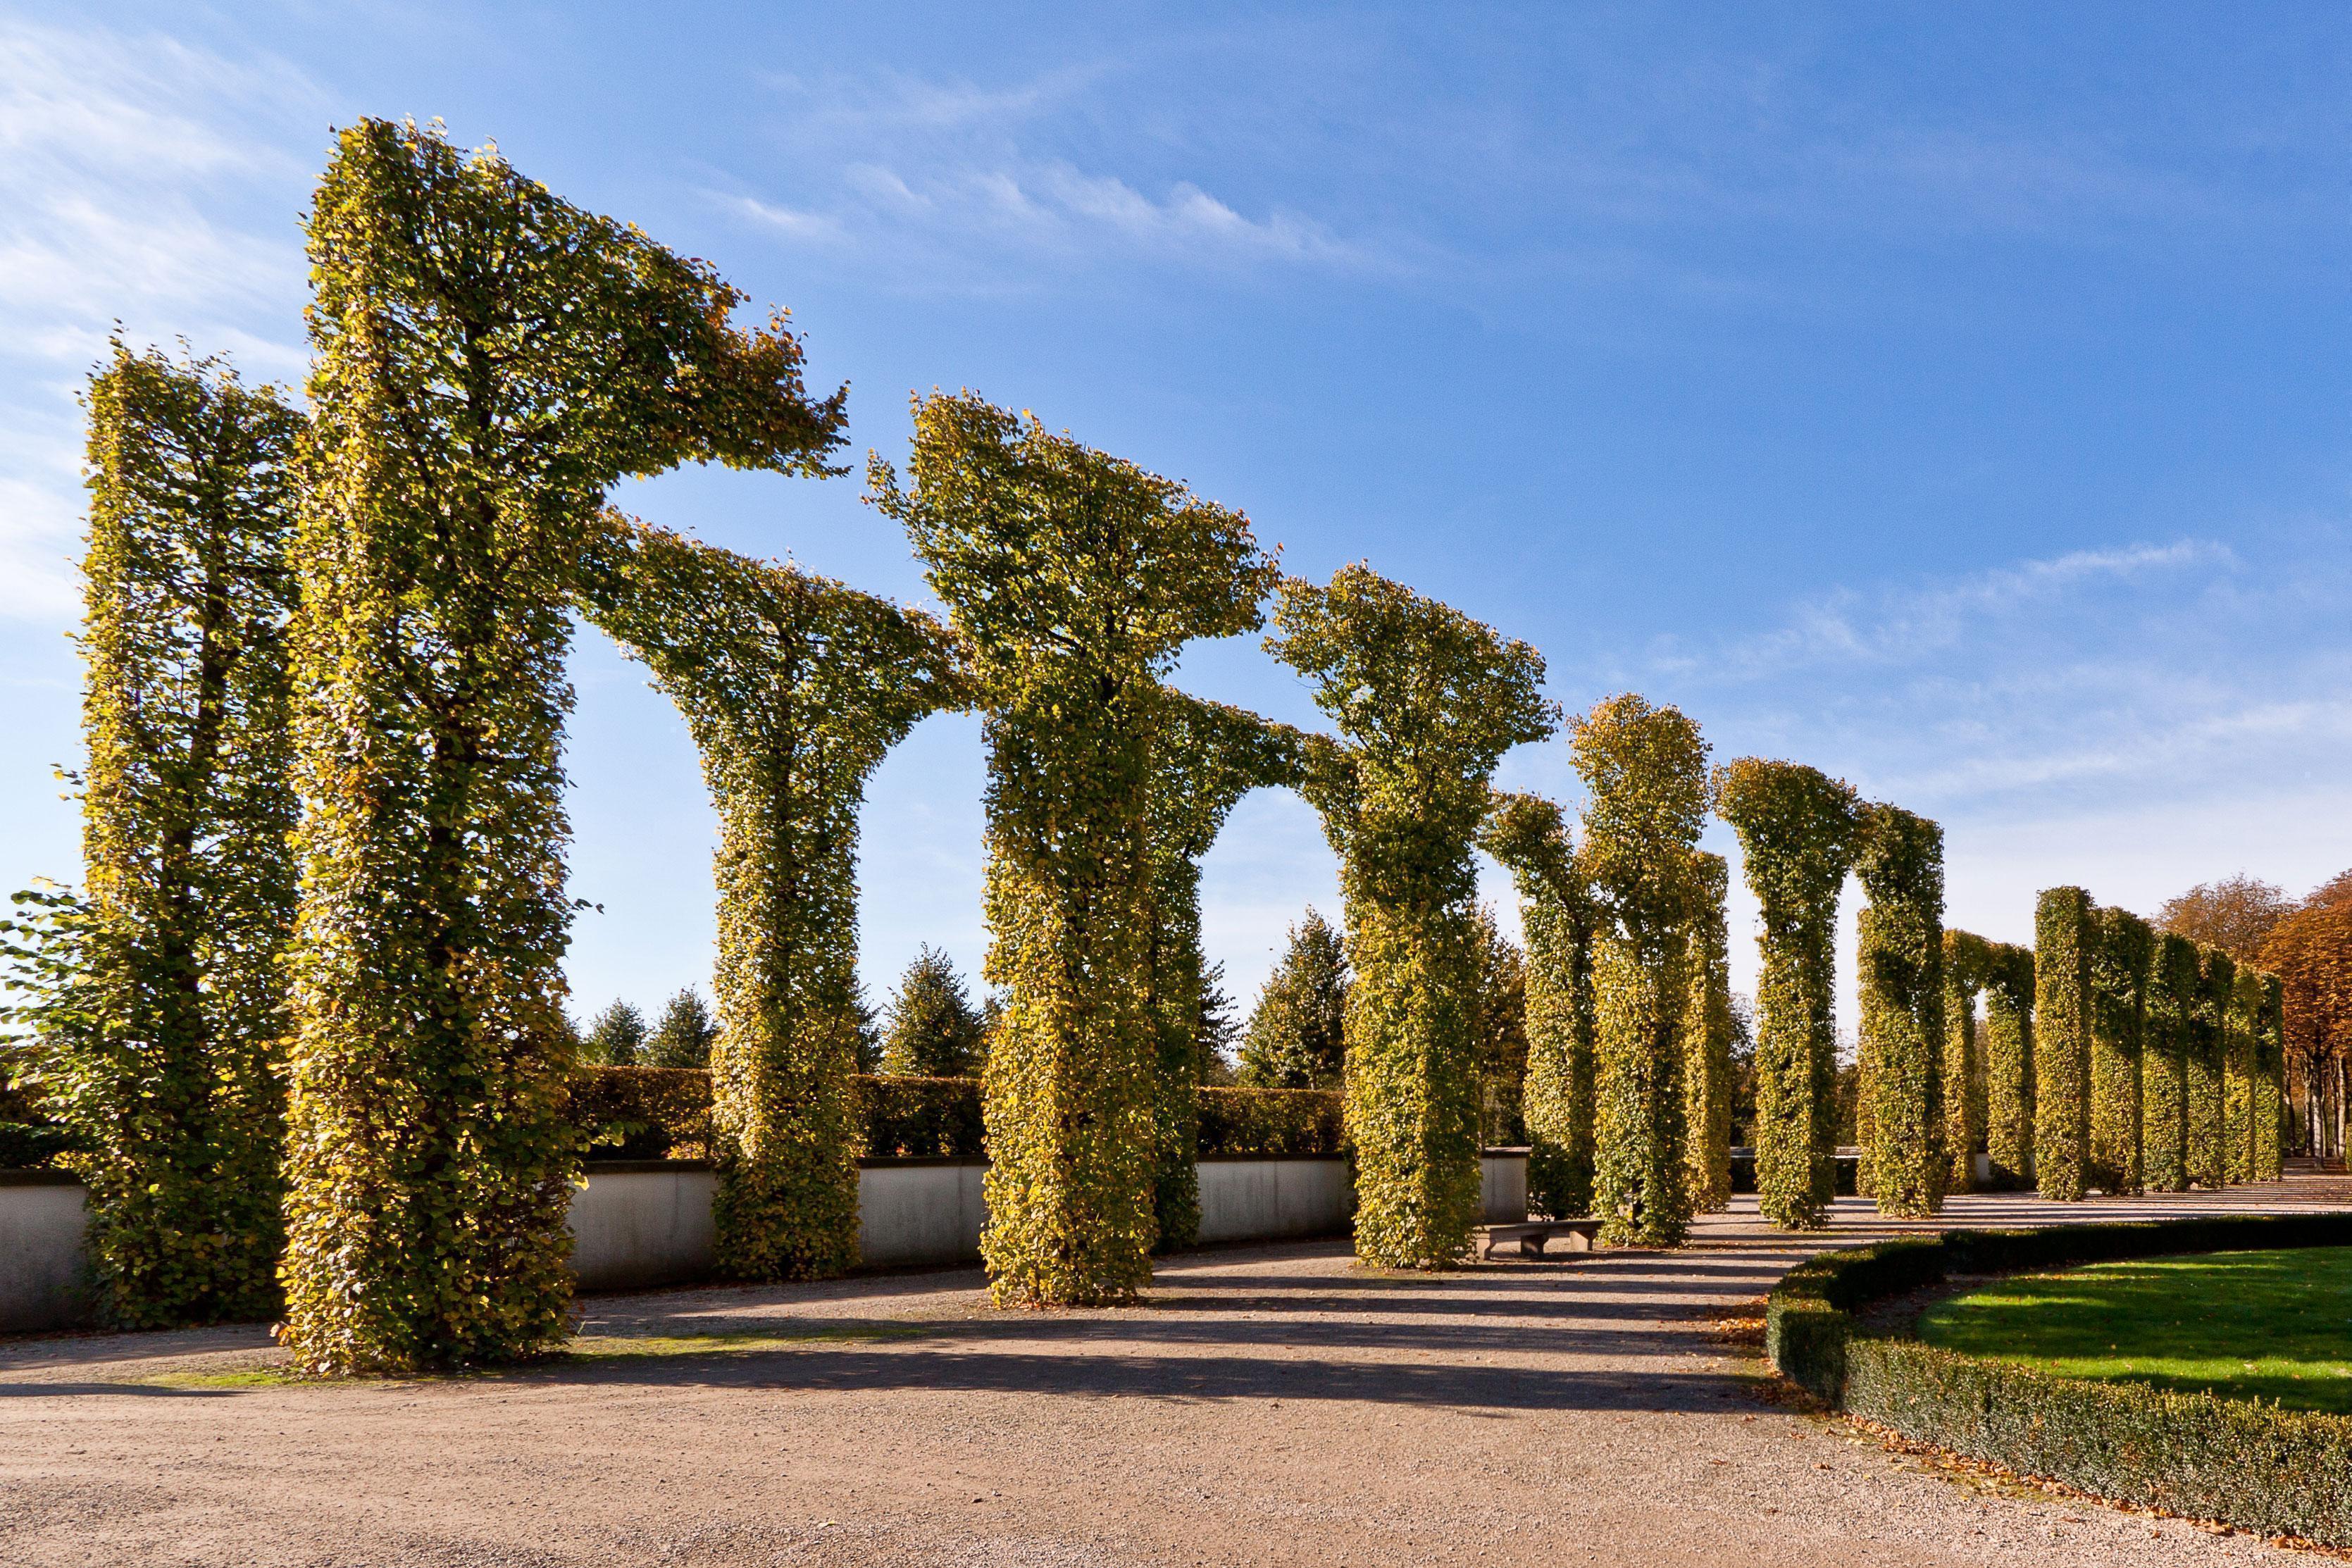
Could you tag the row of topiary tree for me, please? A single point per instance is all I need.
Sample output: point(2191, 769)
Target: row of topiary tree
point(309, 1016)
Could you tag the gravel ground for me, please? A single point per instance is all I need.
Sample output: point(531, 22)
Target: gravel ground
point(1269, 1406)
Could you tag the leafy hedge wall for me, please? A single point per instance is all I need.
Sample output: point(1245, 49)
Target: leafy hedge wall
point(2278, 1472)
point(1272, 1121)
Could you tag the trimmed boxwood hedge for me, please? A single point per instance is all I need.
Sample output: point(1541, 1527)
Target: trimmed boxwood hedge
point(2261, 1467)
point(651, 1114)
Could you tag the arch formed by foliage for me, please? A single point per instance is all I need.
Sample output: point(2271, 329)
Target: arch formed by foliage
point(488, 360)
point(794, 687)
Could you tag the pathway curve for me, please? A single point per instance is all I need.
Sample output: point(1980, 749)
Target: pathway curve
point(1270, 1406)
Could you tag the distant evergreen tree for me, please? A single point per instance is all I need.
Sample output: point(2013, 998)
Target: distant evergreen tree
point(616, 1035)
point(1219, 1033)
point(869, 1030)
point(682, 1037)
point(1296, 1036)
point(933, 1031)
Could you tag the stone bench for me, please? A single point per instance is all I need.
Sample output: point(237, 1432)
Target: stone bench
point(1531, 1236)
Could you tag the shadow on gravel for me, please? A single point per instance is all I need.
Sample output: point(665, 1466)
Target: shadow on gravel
point(144, 1390)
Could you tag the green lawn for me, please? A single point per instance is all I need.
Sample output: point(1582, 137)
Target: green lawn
point(2273, 1325)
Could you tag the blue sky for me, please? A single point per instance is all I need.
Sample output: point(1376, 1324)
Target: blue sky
point(1951, 397)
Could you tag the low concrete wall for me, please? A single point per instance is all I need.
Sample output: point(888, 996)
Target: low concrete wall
point(647, 1222)
point(913, 1212)
point(1503, 1187)
point(43, 1215)
point(1248, 1200)
point(643, 1222)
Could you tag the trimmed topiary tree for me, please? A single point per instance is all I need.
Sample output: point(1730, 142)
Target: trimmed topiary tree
point(795, 688)
point(1075, 579)
point(1967, 957)
point(1527, 836)
point(2209, 1021)
point(1428, 702)
point(2065, 934)
point(2168, 1022)
point(2009, 1064)
point(1206, 757)
point(2119, 966)
point(1900, 862)
point(487, 359)
point(171, 1082)
point(1797, 828)
point(1644, 769)
point(1706, 1033)
point(2240, 1060)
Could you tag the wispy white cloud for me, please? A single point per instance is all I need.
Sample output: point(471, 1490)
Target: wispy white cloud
point(126, 166)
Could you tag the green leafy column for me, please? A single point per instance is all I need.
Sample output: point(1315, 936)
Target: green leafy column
point(1967, 957)
point(2066, 933)
point(1206, 757)
point(1900, 863)
point(2168, 1026)
point(172, 1077)
point(487, 359)
point(1796, 828)
point(1427, 700)
point(1708, 1031)
point(1644, 771)
point(2240, 1062)
point(794, 687)
point(1527, 836)
point(2119, 968)
point(1075, 579)
point(2270, 1082)
point(2208, 1025)
point(2009, 1064)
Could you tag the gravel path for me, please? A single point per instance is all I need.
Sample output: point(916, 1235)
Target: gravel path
point(1270, 1406)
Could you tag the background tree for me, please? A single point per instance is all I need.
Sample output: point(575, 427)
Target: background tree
point(1796, 828)
point(795, 688)
point(1527, 836)
point(1966, 958)
point(171, 1082)
point(1206, 757)
point(2120, 958)
point(1296, 1035)
point(932, 1028)
point(682, 1036)
point(614, 1036)
point(1075, 578)
point(486, 361)
point(1218, 1034)
point(1428, 700)
point(1499, 1035)
point(2009, 1064)
point(2311, 952)
point(1644, 772)
point(1900, 863)
point(2234, 914)
point(1708, 1033)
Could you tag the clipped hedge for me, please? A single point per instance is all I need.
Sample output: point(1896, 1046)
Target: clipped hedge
point(1270, 1122)
point(2260, 1467)
point(653, 1113)
point(903, 1115)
